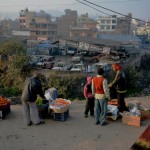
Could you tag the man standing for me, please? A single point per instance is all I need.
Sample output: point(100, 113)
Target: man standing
point(120, 84)
point(101, 92)
point(32, 88)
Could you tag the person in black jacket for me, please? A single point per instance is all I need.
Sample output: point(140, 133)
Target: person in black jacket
point(32, 88)
point(120, 84)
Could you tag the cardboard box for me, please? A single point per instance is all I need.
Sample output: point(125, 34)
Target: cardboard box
point(129, 119)
point(145, 114)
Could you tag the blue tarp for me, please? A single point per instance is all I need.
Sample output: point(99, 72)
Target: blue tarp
point(45, 45)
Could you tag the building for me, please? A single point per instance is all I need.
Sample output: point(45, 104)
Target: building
point(124, 24)
point(86, 27)
point(65, 22)
point(107, 24)
point(39, 24)
point(113, 25)
point(7, 25)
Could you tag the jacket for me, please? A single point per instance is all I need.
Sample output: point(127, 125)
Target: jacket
point(119, 82)
point(103, 86)
point(88, 88)
point(32, 88)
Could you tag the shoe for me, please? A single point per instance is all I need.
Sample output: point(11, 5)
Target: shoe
point(41, 122)
point(85, 116)
point(104, 124)
point(29, 124)
point(97, 123)
point(92, 115)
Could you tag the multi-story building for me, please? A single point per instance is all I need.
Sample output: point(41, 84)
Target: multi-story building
point(7, 25)
point(124, 24)
point(114, 25)
point(65, 22)
point(107, 24)
point(39, 24)
point(86, 27)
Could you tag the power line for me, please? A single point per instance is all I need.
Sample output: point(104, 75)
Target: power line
point(113, 11)
point(104, 12)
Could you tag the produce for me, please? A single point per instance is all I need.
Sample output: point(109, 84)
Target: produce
point(62, 101)
point(39, 100)
point(4, 101)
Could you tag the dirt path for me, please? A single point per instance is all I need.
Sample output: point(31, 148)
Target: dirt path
point(77, 133)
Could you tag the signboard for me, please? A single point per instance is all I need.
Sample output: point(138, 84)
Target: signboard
point(20, 33)
point(83, 46)
point(62, 42)
point(106, 50)
point(95, 48)
point(72, 44)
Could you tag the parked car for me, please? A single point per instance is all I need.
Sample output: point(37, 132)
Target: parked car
point(106, 66)
point(46, 62)
point(77, 57)
point(78, 67)
point(62, 66)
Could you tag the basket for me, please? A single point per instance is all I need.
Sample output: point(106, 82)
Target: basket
point(59, 109)
point(43, 109)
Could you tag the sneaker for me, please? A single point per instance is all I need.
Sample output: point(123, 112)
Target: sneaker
point(104, 124)
point(41, 122)
point(85, 116)
point(29, 124)
point(97, 123)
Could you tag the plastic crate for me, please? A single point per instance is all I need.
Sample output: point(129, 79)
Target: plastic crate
point(61, 116)
point(5, 111)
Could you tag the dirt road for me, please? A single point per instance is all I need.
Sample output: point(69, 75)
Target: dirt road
point(77, 133)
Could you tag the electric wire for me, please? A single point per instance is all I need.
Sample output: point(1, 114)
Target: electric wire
point(113, 11)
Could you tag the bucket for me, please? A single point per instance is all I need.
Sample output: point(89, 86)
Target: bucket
point(43, 109)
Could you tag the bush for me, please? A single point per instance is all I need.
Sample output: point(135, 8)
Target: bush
point(10, 91)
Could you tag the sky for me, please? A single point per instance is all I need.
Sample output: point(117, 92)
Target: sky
point(138, 8)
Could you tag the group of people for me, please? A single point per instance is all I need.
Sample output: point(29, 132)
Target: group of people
point(96, 92)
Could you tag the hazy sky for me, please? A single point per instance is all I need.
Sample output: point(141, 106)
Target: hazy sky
point(139, 8)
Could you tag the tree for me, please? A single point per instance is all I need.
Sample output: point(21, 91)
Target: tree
point(13, 76)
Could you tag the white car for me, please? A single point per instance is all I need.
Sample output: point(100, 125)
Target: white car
point(78, 67)
point(62, 66)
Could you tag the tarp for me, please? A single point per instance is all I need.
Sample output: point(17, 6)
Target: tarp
point(46, 45)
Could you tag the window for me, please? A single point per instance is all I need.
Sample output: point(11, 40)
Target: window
point(113, 27)
point(113, 21)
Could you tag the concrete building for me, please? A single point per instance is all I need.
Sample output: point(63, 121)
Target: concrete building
point(124, 24)
point(7, 25)
point(114, 25)
point(65, 22)
point(107, 24)
point(86, 27)
point(39, 24)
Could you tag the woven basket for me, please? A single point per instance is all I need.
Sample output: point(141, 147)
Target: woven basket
point(60, 109)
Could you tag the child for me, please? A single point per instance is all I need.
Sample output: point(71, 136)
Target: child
point(89, 98)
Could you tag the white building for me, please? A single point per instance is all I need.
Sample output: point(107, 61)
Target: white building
point(107, 23)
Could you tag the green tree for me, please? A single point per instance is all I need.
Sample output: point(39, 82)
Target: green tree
point(13, 76)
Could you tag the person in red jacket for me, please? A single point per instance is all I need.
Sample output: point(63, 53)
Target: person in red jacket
point(89, 98)
point(101, 92)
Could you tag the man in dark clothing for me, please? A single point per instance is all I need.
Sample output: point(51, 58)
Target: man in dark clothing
point(120, 84)
point(32, 88)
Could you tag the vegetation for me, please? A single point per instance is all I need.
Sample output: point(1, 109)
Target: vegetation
point(69, 85)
